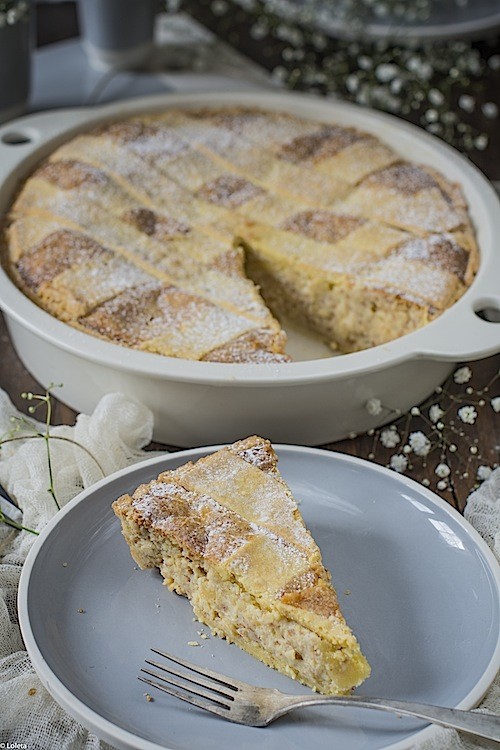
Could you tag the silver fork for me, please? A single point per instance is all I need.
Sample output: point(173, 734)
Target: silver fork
point(257, 707)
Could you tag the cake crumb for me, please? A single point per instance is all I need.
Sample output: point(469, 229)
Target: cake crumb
point(347, 592)
point(65, 564)
point(81, 611)
point(193, 643)
point(148, 697)
point(32, 691)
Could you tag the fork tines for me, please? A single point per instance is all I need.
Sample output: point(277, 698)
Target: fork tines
point(200, 687)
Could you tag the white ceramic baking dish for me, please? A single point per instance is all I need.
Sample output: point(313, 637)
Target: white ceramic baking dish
point(313, 401)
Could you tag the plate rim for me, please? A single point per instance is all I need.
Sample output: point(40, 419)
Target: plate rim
point(110, 732)
point(375, 31)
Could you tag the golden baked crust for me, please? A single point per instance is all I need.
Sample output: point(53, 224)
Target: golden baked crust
point(138, 232)
point(226, 532)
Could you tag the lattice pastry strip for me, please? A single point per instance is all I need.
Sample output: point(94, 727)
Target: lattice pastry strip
point(118, 226)
point(72, 274)
point(353, 243)
point(222, 282)
point(199, 150)
point(77, 279)
point(260, 165)
point(166, 321)
point(347, 153)
point(146, 184)
point(118, 219)
point(369, 298)
point(410, 197)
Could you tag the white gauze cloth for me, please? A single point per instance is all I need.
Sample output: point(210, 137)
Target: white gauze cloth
point(116, 433)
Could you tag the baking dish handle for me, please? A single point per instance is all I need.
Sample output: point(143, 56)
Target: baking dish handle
point(468, 331)
point(21, 137)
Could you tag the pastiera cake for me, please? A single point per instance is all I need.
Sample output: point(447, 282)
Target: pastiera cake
point(226, 532)
point(138, 232)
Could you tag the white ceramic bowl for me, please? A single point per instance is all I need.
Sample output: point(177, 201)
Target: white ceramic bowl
point(312, 401)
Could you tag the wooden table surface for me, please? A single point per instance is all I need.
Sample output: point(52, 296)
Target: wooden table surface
point(478, 444)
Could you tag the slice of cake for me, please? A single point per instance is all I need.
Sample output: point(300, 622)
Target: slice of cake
point(226, 532)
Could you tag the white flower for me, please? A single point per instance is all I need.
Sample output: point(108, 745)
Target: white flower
point(462, 375)
point(483, 472)
point(419, 443)
point(374, 406)
point(386, 72)
point(495, 404)
point(467, 414)
point(442, 470)
point(398, 462)
point(435, 413)
point(390, 437)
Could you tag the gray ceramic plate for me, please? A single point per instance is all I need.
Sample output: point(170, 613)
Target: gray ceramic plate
point(477, 19)
point(415, 581)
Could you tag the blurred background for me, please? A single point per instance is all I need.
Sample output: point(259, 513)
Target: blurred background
point(433, 62)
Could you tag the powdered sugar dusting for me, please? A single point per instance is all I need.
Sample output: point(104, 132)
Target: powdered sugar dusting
point(439, 250)
point(425, 285)
point(162, 196)
point(195, 517)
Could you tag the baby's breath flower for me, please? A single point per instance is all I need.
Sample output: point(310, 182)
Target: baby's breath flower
point(484, 472)
point(441, 485)
point(467, 103)
point(435, 413)
point(374, 406)
point(467, 414)
point(490, 110)
point(495, 404)
point(419, 443)
point(390, 437)
point(462, 375)
point(398, 462)
point(442, 470)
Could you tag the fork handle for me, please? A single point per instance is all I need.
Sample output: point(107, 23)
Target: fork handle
point(482, 725)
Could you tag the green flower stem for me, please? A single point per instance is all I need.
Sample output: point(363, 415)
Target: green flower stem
point(47, 437)
point(10, 522)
